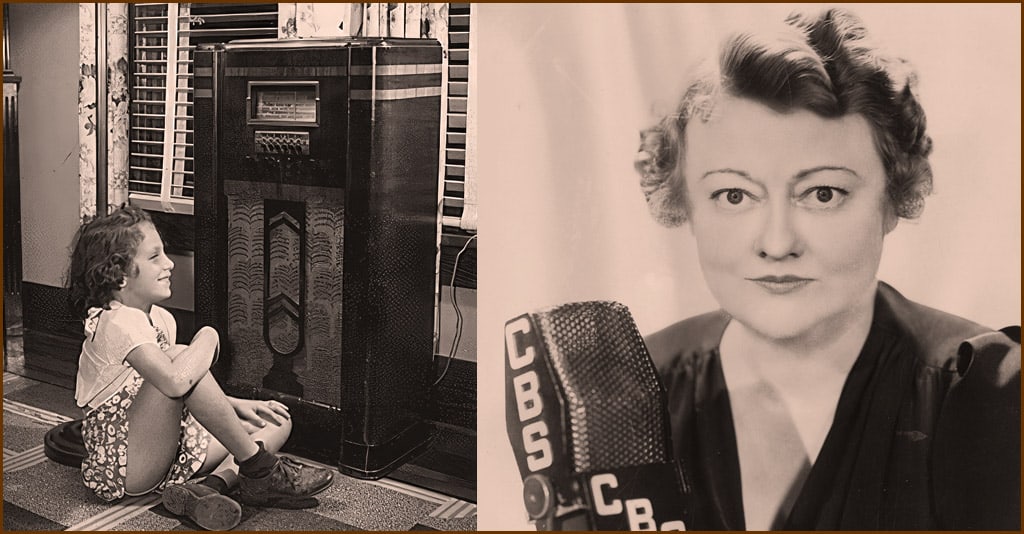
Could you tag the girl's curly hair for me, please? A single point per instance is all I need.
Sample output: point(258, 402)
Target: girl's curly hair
point(825, 64)
point(102, 257)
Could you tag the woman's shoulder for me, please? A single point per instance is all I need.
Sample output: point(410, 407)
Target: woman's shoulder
point(693, 338)
point(976, 444)
point(942, 339)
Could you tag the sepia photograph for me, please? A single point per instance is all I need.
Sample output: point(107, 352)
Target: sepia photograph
point(743, 266)
point(239, 267)
point(750, 267)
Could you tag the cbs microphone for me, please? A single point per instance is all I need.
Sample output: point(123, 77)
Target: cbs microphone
point(586, 415)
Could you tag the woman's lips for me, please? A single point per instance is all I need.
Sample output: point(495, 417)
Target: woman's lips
point(781, 285)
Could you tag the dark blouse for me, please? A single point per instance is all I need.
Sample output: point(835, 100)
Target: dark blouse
point(926, 433)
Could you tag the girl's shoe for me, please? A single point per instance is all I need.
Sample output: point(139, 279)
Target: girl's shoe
point(289, 485)
point(204, 505)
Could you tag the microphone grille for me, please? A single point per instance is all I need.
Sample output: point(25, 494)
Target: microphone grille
point(615, 402)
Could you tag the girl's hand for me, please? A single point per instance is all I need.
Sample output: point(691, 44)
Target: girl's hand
point(256, 413)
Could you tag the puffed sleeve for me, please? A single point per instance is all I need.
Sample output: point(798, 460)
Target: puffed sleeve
point(167, 322)
point(125, 328)
point(976, 459)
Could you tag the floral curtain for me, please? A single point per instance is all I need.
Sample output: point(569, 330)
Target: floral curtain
point(87, 109)
point(112, 36)
point(302, 20)
point(117, 103)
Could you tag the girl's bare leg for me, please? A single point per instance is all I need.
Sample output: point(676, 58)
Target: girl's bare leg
point(154, 423)
point(154, 426)
point(210, 406)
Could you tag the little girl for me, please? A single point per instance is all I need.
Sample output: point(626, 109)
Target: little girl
point(154, 415)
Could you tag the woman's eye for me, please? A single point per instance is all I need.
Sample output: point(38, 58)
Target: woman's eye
point(731, 198)
point(823, 197)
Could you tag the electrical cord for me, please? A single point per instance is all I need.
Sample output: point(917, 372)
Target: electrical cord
point(458, 314)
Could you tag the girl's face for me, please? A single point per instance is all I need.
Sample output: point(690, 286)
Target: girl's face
point(789, 211)
point(151, 282)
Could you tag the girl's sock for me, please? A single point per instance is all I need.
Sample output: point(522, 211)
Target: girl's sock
point(217, 483)
point(259, 465)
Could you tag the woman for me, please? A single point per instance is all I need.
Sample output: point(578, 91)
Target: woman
point(819, 397)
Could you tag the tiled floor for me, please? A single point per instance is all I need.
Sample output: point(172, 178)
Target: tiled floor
point(40, 494)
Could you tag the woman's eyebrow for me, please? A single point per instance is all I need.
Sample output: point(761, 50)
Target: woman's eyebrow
point(727, 170)
point(808, 172)
point(803, 174)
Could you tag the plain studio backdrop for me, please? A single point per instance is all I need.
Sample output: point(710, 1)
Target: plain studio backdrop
point(564, 91)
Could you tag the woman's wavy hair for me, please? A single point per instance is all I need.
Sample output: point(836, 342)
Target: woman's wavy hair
point(826, 64)
point(102, 256)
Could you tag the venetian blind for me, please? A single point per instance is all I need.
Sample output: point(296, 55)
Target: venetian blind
point(455, 170)
point(163, 38)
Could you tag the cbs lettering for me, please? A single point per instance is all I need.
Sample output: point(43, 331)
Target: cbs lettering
point(528, 402)
point(639, 511)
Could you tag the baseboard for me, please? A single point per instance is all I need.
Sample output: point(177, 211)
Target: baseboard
point(51, 357)
point(46, 308)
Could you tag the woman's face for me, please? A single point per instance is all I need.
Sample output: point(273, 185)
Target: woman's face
point(789, 211)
